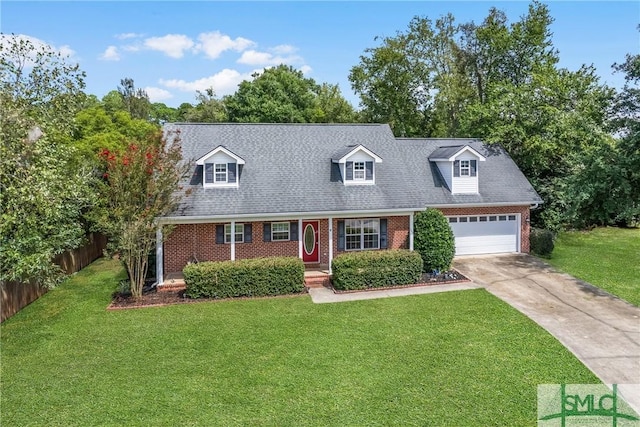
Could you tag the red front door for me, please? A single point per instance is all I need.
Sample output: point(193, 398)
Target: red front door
point(310, 242)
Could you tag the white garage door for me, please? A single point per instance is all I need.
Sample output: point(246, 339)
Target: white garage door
point(485, 234)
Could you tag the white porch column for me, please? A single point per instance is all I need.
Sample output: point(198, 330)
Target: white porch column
point(411, 231)
point(330, 242)
point(300, 238)
point(233, 240)
point(159, 256)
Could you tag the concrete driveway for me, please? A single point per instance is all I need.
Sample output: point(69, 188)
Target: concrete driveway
point(601, 330)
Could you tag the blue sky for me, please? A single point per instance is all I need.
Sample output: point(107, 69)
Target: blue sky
point(172, 49)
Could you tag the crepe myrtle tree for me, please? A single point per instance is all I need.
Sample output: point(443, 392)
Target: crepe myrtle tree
point(433, 240)
point(141, 183)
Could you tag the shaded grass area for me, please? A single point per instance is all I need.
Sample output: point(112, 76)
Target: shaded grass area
point(456, 358)
point(607, 257)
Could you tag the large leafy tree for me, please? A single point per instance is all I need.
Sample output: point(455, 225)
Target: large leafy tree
point(140, 184)
point(605, 184)
point(136, 101)
point(96, 130)
point(283, 95)
point(43, 192)
point(209, 108)
point(495, 80)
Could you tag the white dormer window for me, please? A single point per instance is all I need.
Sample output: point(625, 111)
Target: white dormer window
point(466, 168)
point(220, 168)
point(220, 172)
point(358, 171)
point(458, 166)
point(357, 165)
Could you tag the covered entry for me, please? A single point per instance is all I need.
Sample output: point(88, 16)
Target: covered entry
point(486, 234)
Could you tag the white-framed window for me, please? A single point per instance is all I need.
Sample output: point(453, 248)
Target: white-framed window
point(359, 171)
point(361, 234)
point(220, 172)
point(239, 233)
point(280, 231)
point(465, 168)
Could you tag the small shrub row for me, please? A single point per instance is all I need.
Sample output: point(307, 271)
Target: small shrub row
point(244, 278)
point(541, 242)
point(375, 269)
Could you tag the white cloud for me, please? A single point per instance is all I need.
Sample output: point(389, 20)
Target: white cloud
point(132, 47)
point(306, 69)
point(253, 57)
point(157, 94)
point(110, 54)
point(224, 83)
point(283, 49)
point(172, 45)
point(214, 43)
point(124, 36)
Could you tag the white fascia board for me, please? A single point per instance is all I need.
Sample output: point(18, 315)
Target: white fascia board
point(471, 150)
point(481, 205)
point(362, 148)
point(287, 215)
point(239, 160)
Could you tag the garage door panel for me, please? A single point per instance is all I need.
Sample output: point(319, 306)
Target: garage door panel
point(485, 244)
point(485, 237)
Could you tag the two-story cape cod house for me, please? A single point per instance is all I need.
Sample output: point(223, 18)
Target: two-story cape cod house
point(317, 190)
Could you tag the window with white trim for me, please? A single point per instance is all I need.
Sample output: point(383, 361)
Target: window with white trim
point(239, 233)
point(362, 234)
point(280, 231)
point(220, 174)
point(465, 168)
point(358, 171)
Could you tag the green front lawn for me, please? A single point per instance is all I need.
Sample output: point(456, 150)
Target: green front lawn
point(606, 257)
point(455, 358)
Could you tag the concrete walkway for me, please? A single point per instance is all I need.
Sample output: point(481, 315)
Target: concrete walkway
point(599, 329)
point(325, 295)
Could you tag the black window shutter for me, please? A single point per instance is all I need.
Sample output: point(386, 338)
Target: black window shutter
point(369, 173)
point(266, 232)
point(456, 168)
point(208, 172)
point(220, 233)
point(341, 235)
point(383, 234)
point(247, 233)
point(349, 171)
point(293, 230)
point(231, 172)
point(474, 165)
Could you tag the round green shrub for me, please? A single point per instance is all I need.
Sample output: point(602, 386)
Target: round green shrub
point(433, 240)
point(541, 242)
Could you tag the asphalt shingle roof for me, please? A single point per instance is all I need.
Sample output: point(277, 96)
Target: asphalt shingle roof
point(289, 169)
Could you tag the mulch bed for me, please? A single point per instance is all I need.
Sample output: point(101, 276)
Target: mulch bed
point(153, 298)
point(427, 279)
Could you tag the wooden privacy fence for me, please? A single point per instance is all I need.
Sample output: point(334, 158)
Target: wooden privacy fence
point(14, 296)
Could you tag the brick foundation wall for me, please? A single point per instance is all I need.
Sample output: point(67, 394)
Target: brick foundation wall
point(522, 210)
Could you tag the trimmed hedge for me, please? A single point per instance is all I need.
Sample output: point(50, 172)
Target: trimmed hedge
point(375, 269)
point(244, 278)
point(541, 242)
point(433, 240)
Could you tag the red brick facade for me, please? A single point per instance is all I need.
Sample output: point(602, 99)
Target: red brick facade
point(188, 241)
